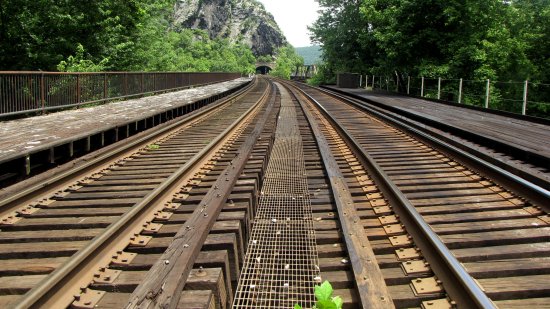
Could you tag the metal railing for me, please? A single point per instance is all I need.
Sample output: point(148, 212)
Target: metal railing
point(27, 92)
point(523, 97)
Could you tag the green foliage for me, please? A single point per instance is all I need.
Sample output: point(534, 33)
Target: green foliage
point(325, 300)
point(495, 39)
point(77, 63)
point(287, 61)
point(116, 35)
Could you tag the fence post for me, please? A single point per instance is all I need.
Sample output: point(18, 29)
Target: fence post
point(360, 80)
point(366, 81)
point(387, 83)
point(439, 88)
point(125, 83)
point(373, 82)
point(42, 92)
point(104, 85)
point(460, 91)
point(77, 88)
point(487, 94)
point(397, 84)
point(525, 89)
point(422, 88)
point(408, 84)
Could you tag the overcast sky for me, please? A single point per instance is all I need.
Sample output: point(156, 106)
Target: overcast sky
point(293, 17)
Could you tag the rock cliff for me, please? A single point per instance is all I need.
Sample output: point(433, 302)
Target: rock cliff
point(244, 21)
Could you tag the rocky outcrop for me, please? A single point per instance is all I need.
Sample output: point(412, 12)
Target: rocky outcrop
point(244, 21)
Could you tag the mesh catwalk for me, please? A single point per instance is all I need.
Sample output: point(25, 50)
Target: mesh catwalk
point(281, 265)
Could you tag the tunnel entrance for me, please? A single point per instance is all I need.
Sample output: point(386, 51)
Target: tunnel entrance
point(264, 69)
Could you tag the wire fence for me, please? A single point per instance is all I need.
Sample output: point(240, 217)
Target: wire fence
point(523, 97)
point(25, 92)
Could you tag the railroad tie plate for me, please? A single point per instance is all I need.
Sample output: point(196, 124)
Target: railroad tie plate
point(10, 219)
point(401, 240)
point(378, 202)
point(426, 286)
point(122, 258)
point(139, 240)
point(27, 211)
point(151, 228)
point(438, 304)
point(380, 210)
point(106, 276)
point(88, 299)
point(384, 220)
point(163, 215)
point(404, 254)
point(393, 229)
point(416, 268)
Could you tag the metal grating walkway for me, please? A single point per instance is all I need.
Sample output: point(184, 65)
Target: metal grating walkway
point(281, 264)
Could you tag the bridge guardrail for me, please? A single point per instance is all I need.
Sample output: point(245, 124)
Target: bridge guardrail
point(32, 92)
point(523, 97)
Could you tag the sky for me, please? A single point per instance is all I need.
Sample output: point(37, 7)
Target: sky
point(293, 17)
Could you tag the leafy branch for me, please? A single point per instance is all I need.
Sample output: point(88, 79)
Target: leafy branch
point(325, 300)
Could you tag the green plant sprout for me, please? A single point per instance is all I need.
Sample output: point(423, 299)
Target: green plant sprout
point(323, 294)
point(153, 147)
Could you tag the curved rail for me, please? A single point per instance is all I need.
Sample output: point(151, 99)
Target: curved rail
point(458, 283)
point(538, 194)
point(11, 203)
point(56, 287)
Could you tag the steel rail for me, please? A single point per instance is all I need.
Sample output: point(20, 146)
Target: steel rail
point(457, 281)
point(12, 203)
point(372, 289)
point(51, 286)
point(539, 195)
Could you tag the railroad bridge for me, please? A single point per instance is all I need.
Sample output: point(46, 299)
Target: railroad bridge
point(247, 193)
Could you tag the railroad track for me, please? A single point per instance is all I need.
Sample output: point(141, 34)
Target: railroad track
point(60, 236)
point(498, 236)
point(252, 202)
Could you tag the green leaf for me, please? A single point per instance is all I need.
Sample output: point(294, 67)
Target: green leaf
point(325, 304)
point(337, 300)
point(323, 291)
point(297, 306)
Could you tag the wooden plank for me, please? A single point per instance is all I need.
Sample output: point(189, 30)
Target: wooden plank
point(516, 287)
point(18, 284)
point(38, 266)
point(509, 268)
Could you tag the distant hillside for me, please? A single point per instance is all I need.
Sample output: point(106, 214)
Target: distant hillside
point(311, 54)
point(244, 21)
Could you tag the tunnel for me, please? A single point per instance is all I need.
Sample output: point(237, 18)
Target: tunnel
point(263, 69)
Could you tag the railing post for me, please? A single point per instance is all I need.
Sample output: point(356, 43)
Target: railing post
point(104, 85)
point(125, 83)
point(460, 91)
point(422, 88)
point(525, 89)
point(397, 84)
point(439, 88)
point(408, 85)
point(42, 92)
point(487, 93)
point(77, 88)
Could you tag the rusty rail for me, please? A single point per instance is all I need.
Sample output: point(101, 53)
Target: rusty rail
point(31, 92)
